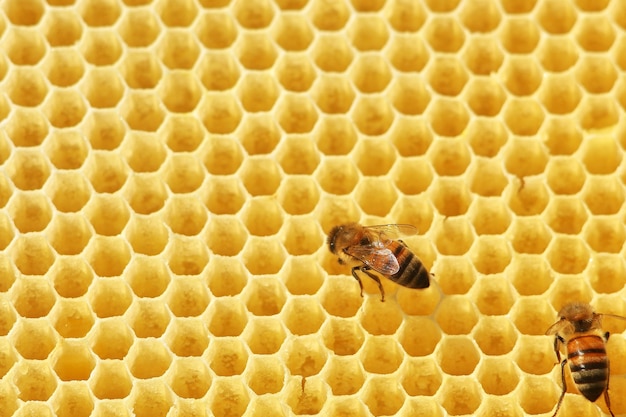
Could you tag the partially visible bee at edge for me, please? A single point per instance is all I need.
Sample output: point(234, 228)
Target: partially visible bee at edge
point(579, 330)
point(375, 248)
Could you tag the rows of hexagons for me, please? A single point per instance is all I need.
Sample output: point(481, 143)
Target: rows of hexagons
point(109, 255)
point(28, 170)
point(457, 277)
point(295, 115)
point(150, 318)
point(449, 240)
point(481, 17)
point(221, 114)
point(569, 228)
point(228, 357)
point(521, 76)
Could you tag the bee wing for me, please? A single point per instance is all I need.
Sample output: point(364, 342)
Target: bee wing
point(601, 318)
point(613, 316)
point(380, 259)
point(388, 232)
point(556, 327)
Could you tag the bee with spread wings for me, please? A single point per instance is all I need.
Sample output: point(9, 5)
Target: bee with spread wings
point(377, 248)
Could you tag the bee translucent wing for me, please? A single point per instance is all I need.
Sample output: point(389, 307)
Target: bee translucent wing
point(556, 327)
point(388, 232)
point(601, 317)
point(613, 316)
point(380, 260)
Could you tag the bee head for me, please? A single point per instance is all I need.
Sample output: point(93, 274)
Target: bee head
point(576, 312)
point(332, 237)
point(580, 315)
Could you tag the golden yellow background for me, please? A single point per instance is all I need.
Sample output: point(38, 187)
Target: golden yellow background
point(169, 170)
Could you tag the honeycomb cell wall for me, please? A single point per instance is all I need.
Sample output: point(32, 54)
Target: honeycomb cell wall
point(169, 171)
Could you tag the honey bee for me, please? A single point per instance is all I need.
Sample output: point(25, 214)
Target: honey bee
point(579, 330)
point(375, 248)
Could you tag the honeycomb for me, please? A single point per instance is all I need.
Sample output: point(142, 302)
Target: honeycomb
point(170, 168)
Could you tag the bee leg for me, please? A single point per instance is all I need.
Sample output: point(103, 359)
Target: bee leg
point(558, 404)
point(557, 340)
point(357, 278)
point(607, 400)
point(365, 269)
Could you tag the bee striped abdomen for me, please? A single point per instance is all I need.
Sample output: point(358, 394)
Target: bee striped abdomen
point(589, 365)
point(412, 273)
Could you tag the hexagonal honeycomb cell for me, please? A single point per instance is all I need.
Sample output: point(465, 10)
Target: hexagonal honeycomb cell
point(171, 170)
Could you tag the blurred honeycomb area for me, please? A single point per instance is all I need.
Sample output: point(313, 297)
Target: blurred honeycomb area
point(169, 171)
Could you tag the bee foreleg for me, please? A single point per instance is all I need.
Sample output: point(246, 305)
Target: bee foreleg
point(357, 278)
point(558, 339)
point(365, 269)
point(558, 404)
